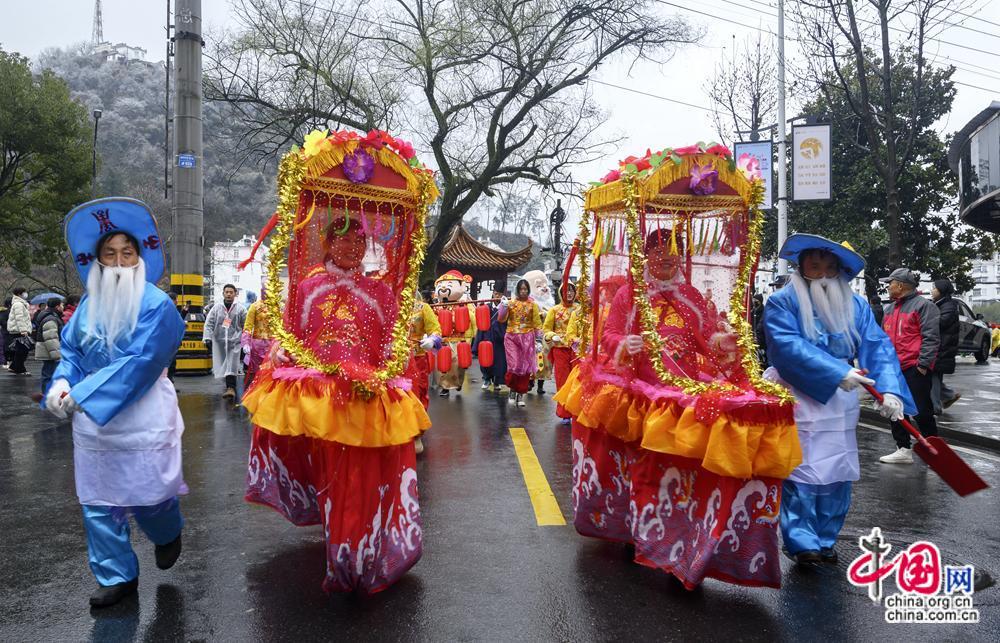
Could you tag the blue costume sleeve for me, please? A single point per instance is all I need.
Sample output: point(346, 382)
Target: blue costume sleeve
point(805, 366)
point(69, 367)
point(877, 355)
point(137, 365)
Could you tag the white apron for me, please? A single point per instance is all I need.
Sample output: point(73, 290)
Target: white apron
point(828, 435)
point(135, 459)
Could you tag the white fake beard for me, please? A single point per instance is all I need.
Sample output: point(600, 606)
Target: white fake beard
point(832, 300)
point(115, 295)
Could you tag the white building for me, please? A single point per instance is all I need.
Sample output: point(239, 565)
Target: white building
point(986, 272)
point(225, 256)
point(119, 52)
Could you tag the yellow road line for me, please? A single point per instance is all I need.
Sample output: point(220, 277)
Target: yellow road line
point(542, 499)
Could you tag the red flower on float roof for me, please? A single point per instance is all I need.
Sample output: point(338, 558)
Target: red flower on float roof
point(404, 149)
point(613, 175)
point(719, 150)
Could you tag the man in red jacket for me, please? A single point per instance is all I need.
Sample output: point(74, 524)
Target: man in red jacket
point(913, 324)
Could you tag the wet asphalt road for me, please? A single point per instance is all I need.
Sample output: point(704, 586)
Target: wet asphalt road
point(976, 411)
point(489, 572)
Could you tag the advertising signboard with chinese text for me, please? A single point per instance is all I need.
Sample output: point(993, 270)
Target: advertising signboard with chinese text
point(812, 167)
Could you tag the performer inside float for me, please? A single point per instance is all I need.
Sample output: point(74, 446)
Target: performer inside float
point(112, 380)
point(816, 328)
point(679, 444)
point(334, 423)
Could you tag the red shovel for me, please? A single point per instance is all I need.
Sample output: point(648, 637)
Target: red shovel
point(940, 457)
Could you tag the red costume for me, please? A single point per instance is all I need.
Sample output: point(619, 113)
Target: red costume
point(682, 455)
point(334, 422)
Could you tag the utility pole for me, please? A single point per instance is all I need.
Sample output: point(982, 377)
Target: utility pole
point(187, 240)
point(782, 151)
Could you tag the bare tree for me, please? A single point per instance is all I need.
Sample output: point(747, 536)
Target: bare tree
point(294, 66)
point(744, 89)
point(852, 47)
point(494, 88)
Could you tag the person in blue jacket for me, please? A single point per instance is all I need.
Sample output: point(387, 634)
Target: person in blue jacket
point(823, 343)
point(112, 380)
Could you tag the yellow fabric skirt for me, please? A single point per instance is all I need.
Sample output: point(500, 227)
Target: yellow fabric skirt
point(319, 407)
point(731, 445)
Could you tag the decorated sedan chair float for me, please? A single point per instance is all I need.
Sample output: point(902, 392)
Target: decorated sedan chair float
point(679, 445)
point(334, 417)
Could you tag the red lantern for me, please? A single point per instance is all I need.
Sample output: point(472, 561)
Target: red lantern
point(464, 355)
point(485, 353)
point(446, 320)
point(444, 359)
point(462, 319)
point(482, 317)
point(431, 361)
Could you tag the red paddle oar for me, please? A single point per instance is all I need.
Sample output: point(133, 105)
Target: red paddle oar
point(940, 457)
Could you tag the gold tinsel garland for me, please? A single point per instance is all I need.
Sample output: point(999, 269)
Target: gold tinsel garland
point(737, 303)
point(291, 174)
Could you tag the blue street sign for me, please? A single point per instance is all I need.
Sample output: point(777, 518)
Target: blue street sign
point(185, 160)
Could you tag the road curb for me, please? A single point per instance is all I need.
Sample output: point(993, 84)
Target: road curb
point(960, 437)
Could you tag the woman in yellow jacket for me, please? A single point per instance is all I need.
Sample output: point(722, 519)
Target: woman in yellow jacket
point(524, 323)
point(557, 333)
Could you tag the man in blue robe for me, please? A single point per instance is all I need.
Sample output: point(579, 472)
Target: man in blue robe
point(112, 380)
point(816, 329)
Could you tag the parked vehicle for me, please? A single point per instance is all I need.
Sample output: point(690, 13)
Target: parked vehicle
point(974, 334)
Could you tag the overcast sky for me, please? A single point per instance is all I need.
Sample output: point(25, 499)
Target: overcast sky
point(644, 121)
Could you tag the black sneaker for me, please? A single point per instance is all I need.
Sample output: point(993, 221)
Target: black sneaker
point(166, 555)
point(541, 387)
point(829, 556)
point(105, 596)
point(444, 393)
point(808, 558)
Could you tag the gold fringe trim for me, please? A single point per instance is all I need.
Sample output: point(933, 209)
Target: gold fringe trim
point(333, 156)
point(612, 195)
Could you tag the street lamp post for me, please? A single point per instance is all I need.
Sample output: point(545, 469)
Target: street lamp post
point(93, 176)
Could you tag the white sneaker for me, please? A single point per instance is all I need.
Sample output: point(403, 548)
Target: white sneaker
point(902, 455)
point(486, 385)
point(520, 400)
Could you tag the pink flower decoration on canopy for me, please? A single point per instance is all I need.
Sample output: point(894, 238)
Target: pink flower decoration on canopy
point(704, 180)
point(613, 175)
point(684, 151)
point(359, 166)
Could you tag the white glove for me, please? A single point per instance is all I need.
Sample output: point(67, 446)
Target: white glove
point(633, 344)
point(69, 405)
point(504, 301)
point(891, 408)
point(53, 400)
point(854, 379)
point(427, 343)
point(556, 339)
